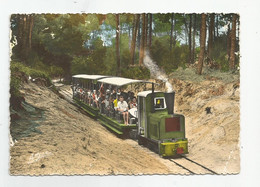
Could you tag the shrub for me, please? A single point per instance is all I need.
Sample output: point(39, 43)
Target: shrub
point(167, 59)
point(136, 72)
point(17, 67)
point(15, 86)
point(19, 73)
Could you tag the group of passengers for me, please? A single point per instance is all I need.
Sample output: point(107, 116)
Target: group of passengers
point(109, 102)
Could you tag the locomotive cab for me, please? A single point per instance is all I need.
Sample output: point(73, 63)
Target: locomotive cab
point(158, 127)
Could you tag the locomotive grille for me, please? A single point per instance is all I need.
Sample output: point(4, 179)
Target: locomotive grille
point(172, 124)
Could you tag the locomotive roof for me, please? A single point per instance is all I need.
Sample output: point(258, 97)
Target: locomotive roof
point(145, 93)
point(92, 77)
point(120, 81)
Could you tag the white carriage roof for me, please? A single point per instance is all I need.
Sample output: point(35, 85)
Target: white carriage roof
point(145, 93)
point(92, 77)
point(120, 81)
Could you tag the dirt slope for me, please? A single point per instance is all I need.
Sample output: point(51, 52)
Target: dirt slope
point(212, 111)
point(68, 142)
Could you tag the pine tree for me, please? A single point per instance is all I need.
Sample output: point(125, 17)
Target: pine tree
point(202, 43)
point(233, 43)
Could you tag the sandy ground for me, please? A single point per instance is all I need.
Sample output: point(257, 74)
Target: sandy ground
point(66, 141)
point(69, 142)
point(213, 135)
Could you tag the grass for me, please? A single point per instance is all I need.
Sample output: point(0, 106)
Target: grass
point(20, 73)
point(28, 71)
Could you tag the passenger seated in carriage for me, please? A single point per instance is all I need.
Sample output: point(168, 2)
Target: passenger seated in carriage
point(130, 96)
point(102, 92)
point(95, 98)
point(115, 102)
point(133, 103)
point(80, 93)
point(89, 97)
point(107, 104)
point(84, 95)
point(113, 94)
point(119, 91)
point(122, 107)
point(124, 94)
point(104, 101)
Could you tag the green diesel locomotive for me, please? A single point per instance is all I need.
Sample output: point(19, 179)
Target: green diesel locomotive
point(153, 122)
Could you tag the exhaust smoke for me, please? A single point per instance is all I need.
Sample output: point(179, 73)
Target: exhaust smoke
point(156, 71)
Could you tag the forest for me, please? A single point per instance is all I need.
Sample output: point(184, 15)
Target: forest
point(61, 45)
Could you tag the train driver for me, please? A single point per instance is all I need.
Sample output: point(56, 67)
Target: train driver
point(123, 109)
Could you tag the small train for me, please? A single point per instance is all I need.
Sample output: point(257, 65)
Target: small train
point(151, 116)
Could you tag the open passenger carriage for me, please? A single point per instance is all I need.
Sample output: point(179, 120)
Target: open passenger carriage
point(153, 121)
point(97, 95)
point(82, 86)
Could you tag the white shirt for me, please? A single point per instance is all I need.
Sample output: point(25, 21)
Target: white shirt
point(122, 105)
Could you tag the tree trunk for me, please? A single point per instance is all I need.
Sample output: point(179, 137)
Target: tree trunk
point(142, 46)
point(190, 47)
point(175, 32)
point(27, 36)
point(194, 37)
point(139, 34)
point(132, 51)
point(146, 31)
point(24, 34)
point(150, 31)
point(186, 30)
point(18, 48)
point(20, 30)
point(30, 32)
point(211, 35)
point(171, 40)
point(217, 26)
point(133, 43)
point(202, 43)
point(24, 38)
point(233, 43)
point(118, 72)
point(228, 42)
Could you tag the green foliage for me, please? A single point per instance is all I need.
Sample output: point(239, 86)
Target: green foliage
point(80, 65)
point(219, 53)
point(15, 84)
point(136, 72)
point(17, 67)
point(124, 51)
point(92, 63)
point(180, 56)
point(110, 56)
point(166, 59)
point(162, 23)
point(19, 73)
point(56, 71)
point(110, 61)
point(111, 20)
point(65, 44)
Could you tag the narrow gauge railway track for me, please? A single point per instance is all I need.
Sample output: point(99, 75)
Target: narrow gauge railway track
point(191, 166)
point(67, 95)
